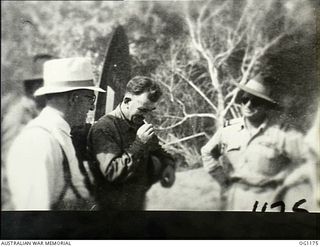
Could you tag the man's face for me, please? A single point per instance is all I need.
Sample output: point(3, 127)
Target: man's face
point(138, 108)
point(84, 101)
point(253, 108)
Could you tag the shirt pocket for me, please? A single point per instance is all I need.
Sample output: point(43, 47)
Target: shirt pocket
point(232, 154)
point(268, 159)
point(232, 147)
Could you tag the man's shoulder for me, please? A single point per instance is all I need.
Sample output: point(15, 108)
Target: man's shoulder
point(35, 135)
point(284, 126)
point(107, 121)
point(231, 128)
point(233, 122)
point(40, 128)
point(232, 125)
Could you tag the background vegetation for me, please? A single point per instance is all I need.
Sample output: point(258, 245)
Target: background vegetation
point(198, 50)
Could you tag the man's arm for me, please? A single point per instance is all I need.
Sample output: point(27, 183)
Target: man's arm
point(115, 163)
point(210, 154)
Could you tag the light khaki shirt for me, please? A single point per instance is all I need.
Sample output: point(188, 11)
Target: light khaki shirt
point(259, 161)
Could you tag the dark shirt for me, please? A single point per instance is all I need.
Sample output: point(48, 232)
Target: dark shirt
point(125, 171)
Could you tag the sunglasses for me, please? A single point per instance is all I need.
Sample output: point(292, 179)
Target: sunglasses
point(254, 101)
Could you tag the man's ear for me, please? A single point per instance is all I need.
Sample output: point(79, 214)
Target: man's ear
point(72, 99)
point(127, 98)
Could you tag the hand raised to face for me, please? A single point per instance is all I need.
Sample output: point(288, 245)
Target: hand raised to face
point(145, 132)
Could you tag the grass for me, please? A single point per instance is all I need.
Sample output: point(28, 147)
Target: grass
point(193, 190)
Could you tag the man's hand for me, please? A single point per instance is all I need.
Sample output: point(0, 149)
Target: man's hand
point(145, 132)
point(168, 177)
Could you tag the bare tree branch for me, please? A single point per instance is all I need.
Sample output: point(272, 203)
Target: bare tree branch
point(169, 116)
point(185, 118)
point(231, 102)
point(197, 90)
point(185, 138)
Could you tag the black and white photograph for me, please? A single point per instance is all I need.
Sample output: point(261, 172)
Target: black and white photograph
point(132, 119)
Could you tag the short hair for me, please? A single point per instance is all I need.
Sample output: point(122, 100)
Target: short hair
point(142, 84)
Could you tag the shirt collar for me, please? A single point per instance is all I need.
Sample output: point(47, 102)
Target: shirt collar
point(242, 124)
point(261, 127)
point(55, 118)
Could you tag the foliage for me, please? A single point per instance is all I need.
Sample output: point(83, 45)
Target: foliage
point(198, 51)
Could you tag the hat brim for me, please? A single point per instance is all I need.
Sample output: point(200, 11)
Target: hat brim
point(52, 90)
point(257, 94)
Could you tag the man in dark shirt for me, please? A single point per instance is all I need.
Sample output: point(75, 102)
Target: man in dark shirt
point(127, 154)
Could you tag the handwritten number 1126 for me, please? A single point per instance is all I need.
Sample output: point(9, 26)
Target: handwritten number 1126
point(281, 204)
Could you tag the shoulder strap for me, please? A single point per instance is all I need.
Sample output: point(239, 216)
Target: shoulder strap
point(68, 182)
point(232, 122)
point(66, 173)
point(67, 176)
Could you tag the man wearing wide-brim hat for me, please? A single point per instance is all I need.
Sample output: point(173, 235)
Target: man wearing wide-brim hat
point(253, 156)
point(43, 171)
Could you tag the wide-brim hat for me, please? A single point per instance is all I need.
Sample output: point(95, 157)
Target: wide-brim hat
point(258, 87)
point(67, 74)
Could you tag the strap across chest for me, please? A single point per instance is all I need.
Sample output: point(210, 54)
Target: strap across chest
point(68, 183)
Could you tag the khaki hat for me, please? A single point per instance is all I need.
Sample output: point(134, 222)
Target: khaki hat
point(67, 74)
point(257, 87)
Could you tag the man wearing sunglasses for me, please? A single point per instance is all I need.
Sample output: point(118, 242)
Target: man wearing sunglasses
point(253, 157)
point(128, 156)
